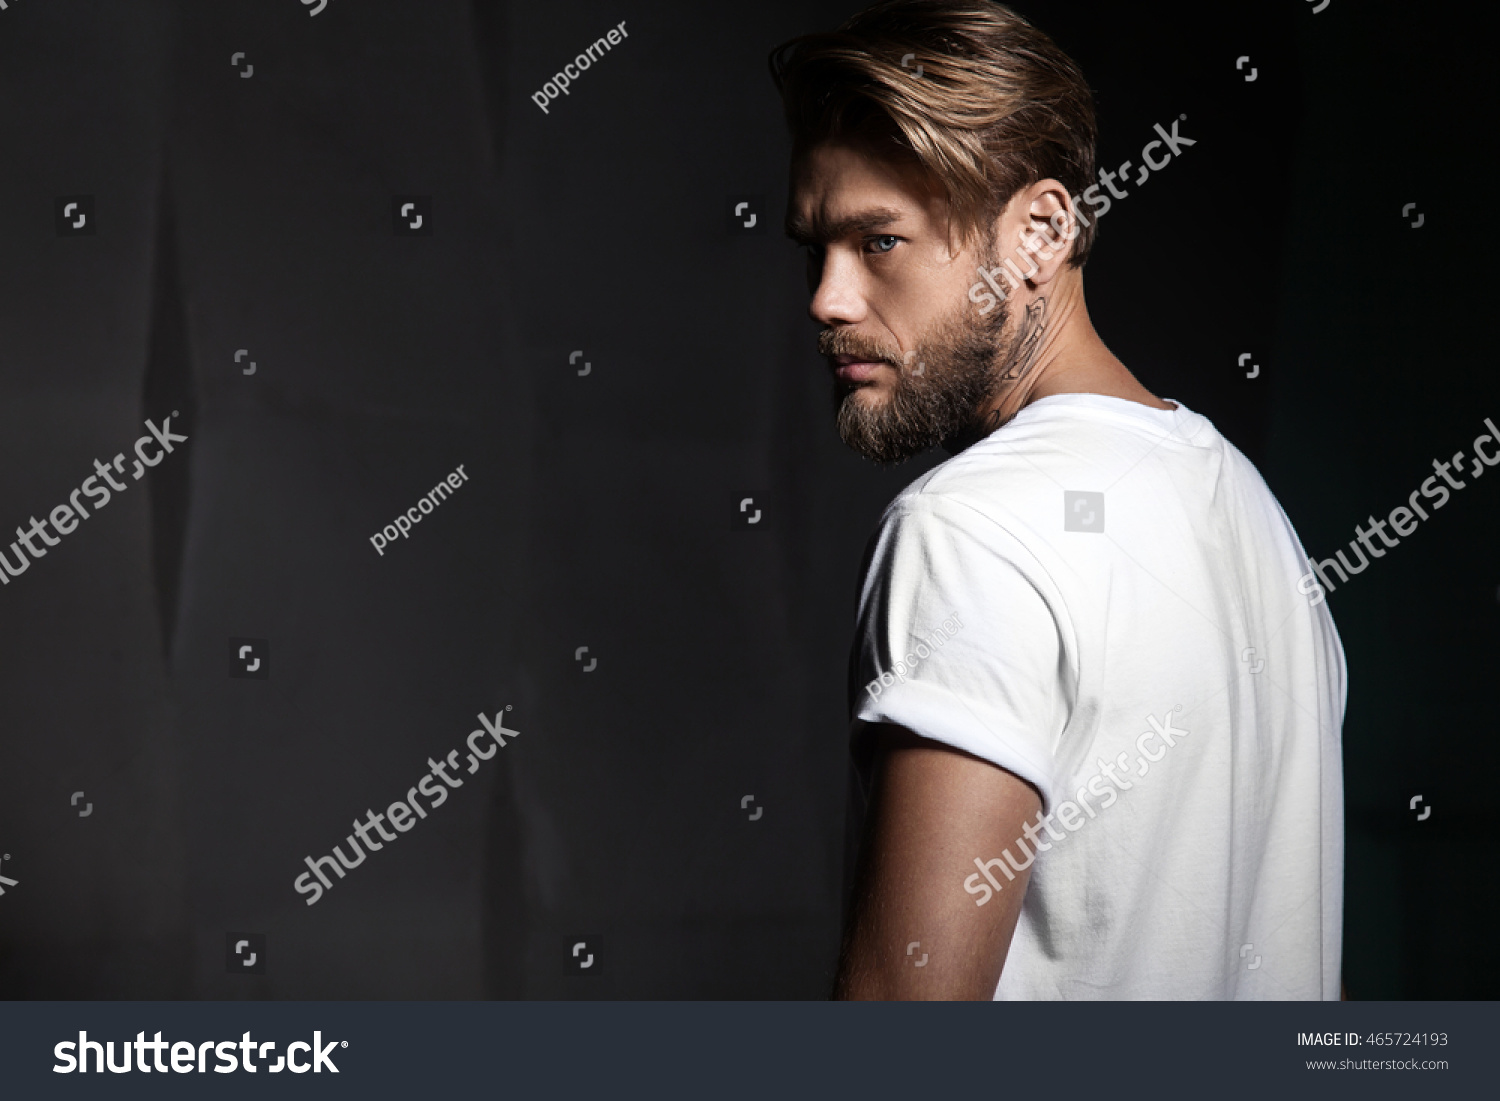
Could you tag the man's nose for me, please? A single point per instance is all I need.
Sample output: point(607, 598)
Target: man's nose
point(838, 298)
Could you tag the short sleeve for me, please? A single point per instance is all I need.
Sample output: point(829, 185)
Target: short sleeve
point(959, 640)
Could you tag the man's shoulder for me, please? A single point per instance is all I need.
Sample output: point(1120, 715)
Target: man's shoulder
point(1012, 470)
point(1069, 451)
point(983, 495)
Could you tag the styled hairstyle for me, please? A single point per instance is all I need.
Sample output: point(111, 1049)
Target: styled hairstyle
point(982, 100)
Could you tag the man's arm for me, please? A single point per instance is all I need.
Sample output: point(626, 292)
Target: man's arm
point(933, 810)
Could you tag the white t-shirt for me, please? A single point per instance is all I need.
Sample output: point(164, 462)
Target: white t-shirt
point(1102, 598)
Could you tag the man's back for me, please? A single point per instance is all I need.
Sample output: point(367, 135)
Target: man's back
point(1123, 630)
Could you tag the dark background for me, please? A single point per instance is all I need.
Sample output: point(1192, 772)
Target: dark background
point(256, 213)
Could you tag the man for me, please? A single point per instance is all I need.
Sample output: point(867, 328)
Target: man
point(1100, 726)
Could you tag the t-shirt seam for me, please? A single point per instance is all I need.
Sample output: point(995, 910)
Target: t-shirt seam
point(1115, 416)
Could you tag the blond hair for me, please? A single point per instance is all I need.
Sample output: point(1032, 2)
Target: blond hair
point(996, 107)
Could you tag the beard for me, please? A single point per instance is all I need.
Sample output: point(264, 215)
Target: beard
point(941, 388)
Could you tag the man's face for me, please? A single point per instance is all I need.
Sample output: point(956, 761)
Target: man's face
point(914, 361)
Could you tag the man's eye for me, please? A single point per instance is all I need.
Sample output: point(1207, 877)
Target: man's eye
point(884, 243)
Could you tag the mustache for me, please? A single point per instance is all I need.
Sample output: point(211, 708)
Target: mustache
point(836, 343)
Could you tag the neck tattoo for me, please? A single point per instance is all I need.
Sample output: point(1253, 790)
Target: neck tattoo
point(1022, 359)
point(1029, 342)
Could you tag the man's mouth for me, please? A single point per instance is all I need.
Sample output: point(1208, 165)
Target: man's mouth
point(851, 368)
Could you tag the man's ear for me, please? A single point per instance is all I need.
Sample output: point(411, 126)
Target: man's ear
point(1048, 228)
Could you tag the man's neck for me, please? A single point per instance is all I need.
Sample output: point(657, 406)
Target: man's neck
point(1054, 350)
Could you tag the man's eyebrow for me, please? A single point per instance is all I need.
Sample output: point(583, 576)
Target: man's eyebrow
point(819, 232)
